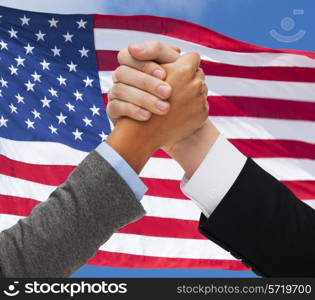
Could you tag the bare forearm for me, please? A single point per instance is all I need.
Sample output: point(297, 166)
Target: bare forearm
point(190, 152)
point(133, 142)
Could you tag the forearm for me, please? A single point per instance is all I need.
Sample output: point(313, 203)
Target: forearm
point(134, 142)
point(62, 233)
point(190, 152)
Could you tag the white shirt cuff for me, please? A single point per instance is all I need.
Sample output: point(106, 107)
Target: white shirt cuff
point(215, 176)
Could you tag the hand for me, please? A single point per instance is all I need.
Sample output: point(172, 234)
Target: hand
point(141, 95)
point(188, 112)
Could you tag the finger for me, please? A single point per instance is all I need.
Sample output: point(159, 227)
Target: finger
point(117, 109)
point(154, 50)
point(186, 65)
point(140, 98)
point(200, 74)
point(143, 82)
point(148, 67)
point(178, 50)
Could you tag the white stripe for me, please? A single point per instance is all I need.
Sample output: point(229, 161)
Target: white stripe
point(311, 203)
point(12, 186)
point(288, 168)
point(7, 221)
point(262, 128)
point(41, 153)
point(162, 168)
point(155, 206)
point(242, 87)
point(117, 39)
point(164, 247)
point(170, 208)
point(281, 168)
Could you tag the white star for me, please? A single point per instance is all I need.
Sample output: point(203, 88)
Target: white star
point(45, 65)
point(30, 124)
point(61, 118)
point(53, 92)
point(13, 108)
point(62, 80)
point(78, 95)
point(46, 102)
point(29, 86)
point(29, 49)
point(19, 98)
point(20, 61)
point(53, 22)
point(72, 67)
point(1, 93)
point(13, 33)
point(40, 36)
point(81, 24)
point(70, 106)
point(95, 110)
point(77, 134)
point(84, 52)
point(68, 37)
point(87, 121)
point(36, 114)
point(88, 81)
point(3, 121)
point(13, 70)
point(36, 77)
point(3, 82)
point(103, 136)
point(3, 45)
point(56, 51)
point(53, 129)
point(25, 20)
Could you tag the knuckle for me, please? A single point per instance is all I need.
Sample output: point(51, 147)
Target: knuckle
point(119, 72)
point(148, 67)
point(122, 56)
point(116, 90)
point(156, 45)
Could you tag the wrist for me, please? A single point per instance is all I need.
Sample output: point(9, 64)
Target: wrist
point(191, 151)
point(133, 142)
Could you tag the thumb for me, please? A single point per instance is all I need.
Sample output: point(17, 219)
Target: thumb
point(154, 51)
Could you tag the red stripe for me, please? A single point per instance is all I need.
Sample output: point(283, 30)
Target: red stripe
point(163, 188)
point(302, 189)
point(228, 106)
point(164, 227)
point(18, 206)
point(113, 259)
point(274, 148)
point(107, 61)
point(45, 174)
point(231, 106)
point(183, 30)
point(170, 188)
point(267, 148)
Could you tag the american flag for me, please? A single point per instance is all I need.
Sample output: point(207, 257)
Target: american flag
point(55, 73)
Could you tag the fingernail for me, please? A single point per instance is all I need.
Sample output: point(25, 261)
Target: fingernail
point(164, 90)
point(144, 113)
point(162, 105)
point(137, 47)
point(158, 73)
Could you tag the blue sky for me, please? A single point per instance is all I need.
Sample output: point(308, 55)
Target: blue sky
point(291, 22)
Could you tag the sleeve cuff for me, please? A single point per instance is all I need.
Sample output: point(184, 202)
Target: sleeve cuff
point(123, 169)
point(215, 176)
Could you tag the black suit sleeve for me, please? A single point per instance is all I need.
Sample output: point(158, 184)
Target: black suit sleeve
point(263, 223)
